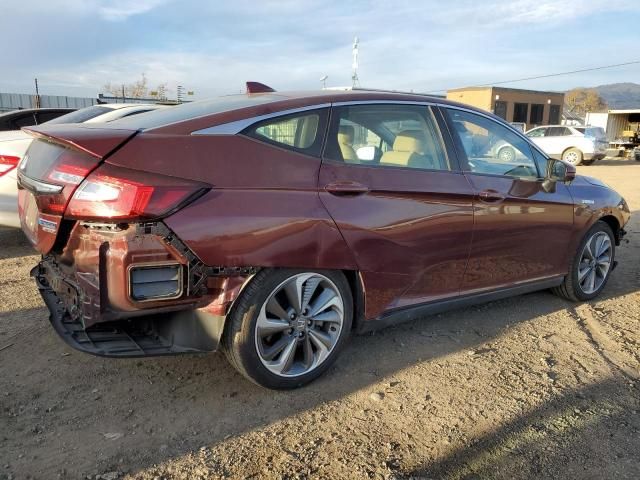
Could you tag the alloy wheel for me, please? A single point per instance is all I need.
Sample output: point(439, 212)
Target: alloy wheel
point(299, 324)
point(507, 154)
point(572, 156)
point(595, 263)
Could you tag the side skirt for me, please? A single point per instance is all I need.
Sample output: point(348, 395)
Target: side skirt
point(414, 312)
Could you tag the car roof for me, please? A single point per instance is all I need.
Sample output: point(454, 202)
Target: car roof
point(188, 117)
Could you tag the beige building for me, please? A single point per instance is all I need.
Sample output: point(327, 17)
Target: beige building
point(530, 107)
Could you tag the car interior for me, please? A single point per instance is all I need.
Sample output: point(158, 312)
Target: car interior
point(388, 137)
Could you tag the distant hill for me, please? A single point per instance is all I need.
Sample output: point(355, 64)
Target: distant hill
point(620, 95)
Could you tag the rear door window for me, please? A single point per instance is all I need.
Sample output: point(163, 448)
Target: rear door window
point(558, 132)
point(386, 136)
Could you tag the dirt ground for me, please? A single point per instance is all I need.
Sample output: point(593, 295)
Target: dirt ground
point(530, 387)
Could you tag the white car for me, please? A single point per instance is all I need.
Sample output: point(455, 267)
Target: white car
point(575, 145)
point(14, 144)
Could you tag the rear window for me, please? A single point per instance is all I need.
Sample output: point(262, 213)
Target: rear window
point(82, 115)
point(596, 132)
point(188, 111)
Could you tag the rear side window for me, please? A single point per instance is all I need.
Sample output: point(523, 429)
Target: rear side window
point(302, 132)
point(593, 132)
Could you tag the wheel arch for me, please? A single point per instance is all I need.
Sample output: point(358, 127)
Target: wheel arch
point(614, 224)
point(357, 294)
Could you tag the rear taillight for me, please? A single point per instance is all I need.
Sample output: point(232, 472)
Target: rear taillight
point(68, 169)
point(8, 163)
point(113, 193)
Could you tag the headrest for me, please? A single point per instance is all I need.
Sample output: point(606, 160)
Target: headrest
point(346, 134)
point(409, 141)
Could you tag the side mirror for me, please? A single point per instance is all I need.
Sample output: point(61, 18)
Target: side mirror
point(560, 171)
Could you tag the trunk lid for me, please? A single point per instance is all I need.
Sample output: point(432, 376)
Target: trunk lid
point(57, 161)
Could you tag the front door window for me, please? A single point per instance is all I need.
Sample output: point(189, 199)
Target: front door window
point(492, 148)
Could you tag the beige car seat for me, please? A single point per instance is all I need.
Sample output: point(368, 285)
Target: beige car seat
point(346, 134)
point(408, 150)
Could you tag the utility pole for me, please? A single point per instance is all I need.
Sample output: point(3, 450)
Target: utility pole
point(37, 94)
point(123, 97)
point(355, 82)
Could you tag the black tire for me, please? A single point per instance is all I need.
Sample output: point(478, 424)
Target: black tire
point(239, 337)
point(570, 288)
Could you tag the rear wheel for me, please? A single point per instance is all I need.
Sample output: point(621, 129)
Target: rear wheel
point(288, 326)
point(573, 156)
point(591, 266)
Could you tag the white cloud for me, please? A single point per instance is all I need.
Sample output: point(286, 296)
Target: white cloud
point(213, 48)
point(118, 10)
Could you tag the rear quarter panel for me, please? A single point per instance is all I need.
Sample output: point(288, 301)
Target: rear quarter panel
point(263, 209)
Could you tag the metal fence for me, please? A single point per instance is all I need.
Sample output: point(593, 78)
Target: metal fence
point(15, 101)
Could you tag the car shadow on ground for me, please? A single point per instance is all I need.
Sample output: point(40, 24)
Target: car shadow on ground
point(133, 414)
point(563, 438)
point(163, 408)
point(611, 161)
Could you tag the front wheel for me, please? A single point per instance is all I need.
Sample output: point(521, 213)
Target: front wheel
point(288, 326)
point(591, 266)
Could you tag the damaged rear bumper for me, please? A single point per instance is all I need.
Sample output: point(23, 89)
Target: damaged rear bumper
point(170, 333)
point(87, 289)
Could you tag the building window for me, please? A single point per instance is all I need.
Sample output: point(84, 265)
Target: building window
point(500, 109)
point(520, 111)
point(535, 118)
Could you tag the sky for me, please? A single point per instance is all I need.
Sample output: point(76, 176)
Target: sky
point(75, 47)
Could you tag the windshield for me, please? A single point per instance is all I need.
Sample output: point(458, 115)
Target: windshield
point(82, 115)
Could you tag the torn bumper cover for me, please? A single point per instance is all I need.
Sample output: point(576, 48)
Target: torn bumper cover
point(95, 310)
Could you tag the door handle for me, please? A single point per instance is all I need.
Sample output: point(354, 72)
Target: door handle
point(491, 196)
point(346, 188)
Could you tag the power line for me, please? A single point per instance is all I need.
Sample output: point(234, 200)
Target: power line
point(634, 62)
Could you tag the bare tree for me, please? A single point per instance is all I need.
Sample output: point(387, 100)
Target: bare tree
point(583, 100)
point(137, 89)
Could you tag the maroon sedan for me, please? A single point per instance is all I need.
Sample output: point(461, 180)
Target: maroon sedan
point(273, 224)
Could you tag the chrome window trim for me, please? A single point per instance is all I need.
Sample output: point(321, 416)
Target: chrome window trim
point(382, 102)
point(233, 128)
